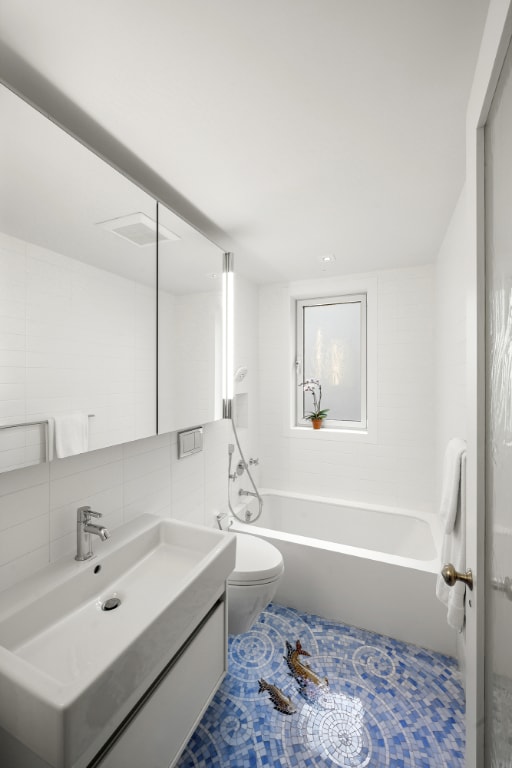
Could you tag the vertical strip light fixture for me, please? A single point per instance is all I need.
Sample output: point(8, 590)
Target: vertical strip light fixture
point(228, 333)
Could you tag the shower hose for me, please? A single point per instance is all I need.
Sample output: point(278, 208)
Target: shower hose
point(248, 517)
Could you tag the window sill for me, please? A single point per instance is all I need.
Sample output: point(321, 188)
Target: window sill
point(339, 435)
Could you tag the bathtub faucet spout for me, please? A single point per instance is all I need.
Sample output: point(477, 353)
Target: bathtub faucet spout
point(241, 492)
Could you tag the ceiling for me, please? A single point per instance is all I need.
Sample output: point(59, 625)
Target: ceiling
point(296, 128)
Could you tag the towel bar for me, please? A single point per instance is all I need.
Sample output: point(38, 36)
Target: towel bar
point(35, 424)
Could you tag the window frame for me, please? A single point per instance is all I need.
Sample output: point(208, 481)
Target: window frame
point(300, 304)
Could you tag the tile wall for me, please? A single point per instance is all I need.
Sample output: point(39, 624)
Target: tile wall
point(396, 467)
point(451, 291)
point(38, 504)
point(451, 340)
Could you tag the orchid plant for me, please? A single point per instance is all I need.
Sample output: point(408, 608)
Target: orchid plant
point(314, 386)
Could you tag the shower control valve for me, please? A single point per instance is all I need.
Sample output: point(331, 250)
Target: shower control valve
point(254, 461)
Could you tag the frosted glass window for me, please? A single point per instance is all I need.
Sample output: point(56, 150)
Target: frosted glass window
point(498, 422)
point(331, 348)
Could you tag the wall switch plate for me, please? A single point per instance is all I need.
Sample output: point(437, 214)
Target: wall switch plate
point(190, 441)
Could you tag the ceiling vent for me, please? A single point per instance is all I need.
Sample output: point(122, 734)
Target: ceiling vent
point(138, 229)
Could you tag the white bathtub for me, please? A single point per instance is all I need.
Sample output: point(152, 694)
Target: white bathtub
point(368, 566)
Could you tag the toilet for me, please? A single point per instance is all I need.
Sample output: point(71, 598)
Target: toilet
point(254, 581)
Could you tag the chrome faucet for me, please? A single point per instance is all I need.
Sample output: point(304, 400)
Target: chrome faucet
point(84, 529)
point(241, 492)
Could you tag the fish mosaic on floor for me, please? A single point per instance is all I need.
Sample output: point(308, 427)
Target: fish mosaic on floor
point(279, 699)
point(308, 681)
point(362, 701)
point(310, 684)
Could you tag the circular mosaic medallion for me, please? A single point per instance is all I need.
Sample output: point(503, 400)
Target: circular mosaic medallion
point(254, 654)
point(235, 729)
point(334, 729)
point(374, 661)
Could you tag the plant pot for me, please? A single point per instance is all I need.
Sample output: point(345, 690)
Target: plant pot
point(317, 423)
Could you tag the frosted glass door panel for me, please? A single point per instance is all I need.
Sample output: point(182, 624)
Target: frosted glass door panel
point(498, 194)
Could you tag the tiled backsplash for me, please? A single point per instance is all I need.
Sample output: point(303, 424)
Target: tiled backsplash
point(38, 504)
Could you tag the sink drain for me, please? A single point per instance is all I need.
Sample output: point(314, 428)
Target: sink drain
point(110, 604)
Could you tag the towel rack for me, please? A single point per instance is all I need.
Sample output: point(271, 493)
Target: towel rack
point(35, 424)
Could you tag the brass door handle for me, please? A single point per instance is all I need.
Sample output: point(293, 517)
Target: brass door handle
point(451, 576)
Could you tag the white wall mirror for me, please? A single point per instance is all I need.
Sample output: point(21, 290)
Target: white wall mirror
point(190, 325)
point(77, 295)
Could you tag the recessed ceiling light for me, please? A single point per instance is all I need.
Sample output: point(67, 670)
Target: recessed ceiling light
point(138, 229)
point(329, 258)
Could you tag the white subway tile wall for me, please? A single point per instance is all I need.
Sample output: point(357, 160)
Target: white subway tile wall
point(38, 504)
point(398, 467)
point(451, 291)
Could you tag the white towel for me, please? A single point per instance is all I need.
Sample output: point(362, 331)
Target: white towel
point(454, 551)
point(71, 434)
point(451, 483)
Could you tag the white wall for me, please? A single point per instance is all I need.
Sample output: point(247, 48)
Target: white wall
point(396, 465)
point(450, 336)
point(38, 504)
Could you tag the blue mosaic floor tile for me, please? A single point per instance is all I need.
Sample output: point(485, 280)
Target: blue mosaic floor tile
point(304, 692)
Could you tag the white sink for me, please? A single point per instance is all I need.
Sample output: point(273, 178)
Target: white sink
point(70, 671)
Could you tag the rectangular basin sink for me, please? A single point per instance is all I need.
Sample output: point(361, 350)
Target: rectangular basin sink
point(70, 670)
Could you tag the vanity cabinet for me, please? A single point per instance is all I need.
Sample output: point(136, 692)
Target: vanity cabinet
point(158, 728)
point(82, 687)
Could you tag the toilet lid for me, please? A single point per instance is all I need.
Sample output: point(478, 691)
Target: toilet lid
point(257, 561)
